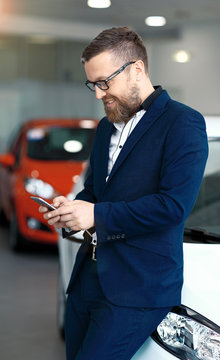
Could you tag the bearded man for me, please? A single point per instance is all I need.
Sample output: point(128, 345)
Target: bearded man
point(146, 167)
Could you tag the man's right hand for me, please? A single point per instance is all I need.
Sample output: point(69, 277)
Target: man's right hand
point(57, 202)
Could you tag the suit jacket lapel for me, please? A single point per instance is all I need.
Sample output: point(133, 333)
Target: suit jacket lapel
point(104, 155)
point(152, 114)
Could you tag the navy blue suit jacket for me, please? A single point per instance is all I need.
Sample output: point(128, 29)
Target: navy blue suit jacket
point(140, 211)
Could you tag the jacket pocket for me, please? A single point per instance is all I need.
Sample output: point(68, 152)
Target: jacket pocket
point(152, 245)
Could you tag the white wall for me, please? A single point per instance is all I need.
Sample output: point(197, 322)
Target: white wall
point(195, 83)
point(23, 100)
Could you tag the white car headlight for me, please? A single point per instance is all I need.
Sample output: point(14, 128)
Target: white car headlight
point(39, 187)
point(188, 335)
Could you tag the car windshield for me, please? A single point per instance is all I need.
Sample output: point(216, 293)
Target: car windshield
point(206, 212)
point(59, 143)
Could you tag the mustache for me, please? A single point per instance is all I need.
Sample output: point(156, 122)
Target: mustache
point(106, 99)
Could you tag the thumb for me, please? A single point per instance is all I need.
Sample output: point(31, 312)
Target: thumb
point(59, 201)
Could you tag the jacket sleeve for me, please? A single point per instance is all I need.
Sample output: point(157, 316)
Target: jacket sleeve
point(184, 158)
point(87, 193)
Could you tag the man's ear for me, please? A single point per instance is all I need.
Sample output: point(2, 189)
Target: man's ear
point(139, 69)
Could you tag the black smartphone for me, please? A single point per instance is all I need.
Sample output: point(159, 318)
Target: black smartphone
point(43, 202)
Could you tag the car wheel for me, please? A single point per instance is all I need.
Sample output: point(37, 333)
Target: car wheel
point(15, 238)
point(61, 307)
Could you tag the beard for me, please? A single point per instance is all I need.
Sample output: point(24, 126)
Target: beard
point(125, 108)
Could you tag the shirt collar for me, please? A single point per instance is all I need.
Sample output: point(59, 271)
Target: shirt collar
point(135, 118)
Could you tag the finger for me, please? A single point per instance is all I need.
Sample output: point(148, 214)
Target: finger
point(73, 226)
point(59, 201)
point(59, 225)
point(67, 217)
point(43, 209)
point(51, 214)
point(62, 210)
point(54, 220)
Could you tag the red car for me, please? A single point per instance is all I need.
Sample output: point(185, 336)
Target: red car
point(44, 159)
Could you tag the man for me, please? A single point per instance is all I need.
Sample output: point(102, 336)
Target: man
point(146, 167)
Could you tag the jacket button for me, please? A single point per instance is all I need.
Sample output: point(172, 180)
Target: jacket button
point(118, 237)
point(122, 236)
point(113, 237)
point(108, 237)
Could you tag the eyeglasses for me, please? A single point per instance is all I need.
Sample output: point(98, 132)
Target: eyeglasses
point(103, 84)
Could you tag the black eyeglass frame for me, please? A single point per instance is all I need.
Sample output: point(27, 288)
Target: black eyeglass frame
point(99, 83)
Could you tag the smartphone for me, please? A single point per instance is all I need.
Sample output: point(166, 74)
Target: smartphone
point(43, 202)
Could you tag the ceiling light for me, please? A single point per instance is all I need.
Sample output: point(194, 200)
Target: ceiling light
point(155, 21)
point(99, 4)
point(181, 56)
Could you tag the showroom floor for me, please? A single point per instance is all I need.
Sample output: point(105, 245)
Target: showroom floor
point(28, 304)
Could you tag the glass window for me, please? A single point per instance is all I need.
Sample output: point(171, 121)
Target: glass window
point(206, 212)
point(59, 143)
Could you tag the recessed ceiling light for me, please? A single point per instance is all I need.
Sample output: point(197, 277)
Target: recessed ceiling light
point(181, 56)
point(155, 21)
point(99, 4)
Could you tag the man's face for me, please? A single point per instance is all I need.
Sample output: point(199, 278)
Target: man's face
point(122, 99)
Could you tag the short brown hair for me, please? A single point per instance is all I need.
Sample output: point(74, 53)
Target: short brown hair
point(123, 42)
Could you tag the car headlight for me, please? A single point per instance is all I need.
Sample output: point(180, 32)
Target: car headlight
point(39, 187)
point(188, 335)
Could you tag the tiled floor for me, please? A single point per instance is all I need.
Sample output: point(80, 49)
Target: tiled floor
point(28, 286)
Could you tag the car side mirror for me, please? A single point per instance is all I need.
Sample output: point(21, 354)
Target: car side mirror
point(7, 160)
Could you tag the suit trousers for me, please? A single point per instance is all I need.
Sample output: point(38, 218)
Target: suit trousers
point(97, 329)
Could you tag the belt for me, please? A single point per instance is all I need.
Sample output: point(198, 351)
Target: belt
point(92, 244)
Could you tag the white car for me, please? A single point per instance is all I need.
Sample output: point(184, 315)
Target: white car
point(190, 331)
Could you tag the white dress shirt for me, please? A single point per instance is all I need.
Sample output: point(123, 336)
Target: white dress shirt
point(120, 136)
point(117, 142)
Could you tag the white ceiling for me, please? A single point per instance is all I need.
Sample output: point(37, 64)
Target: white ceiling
point(74, 19)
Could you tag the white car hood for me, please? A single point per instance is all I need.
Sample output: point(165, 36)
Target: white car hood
point(201, 279)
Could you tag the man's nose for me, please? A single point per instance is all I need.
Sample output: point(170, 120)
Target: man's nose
point(99, 93)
